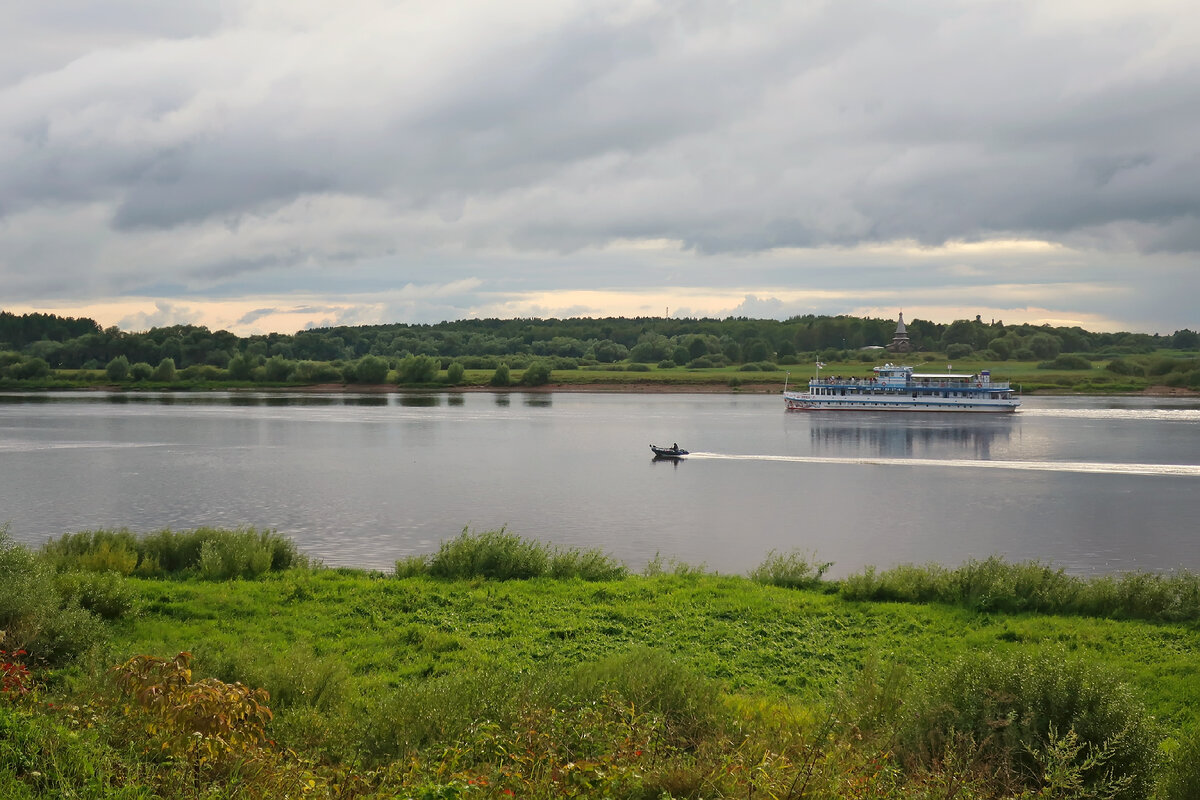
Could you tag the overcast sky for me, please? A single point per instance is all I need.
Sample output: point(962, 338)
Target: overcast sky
point(264, 166)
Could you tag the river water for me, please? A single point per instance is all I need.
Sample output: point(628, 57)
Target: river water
point(1095, 485)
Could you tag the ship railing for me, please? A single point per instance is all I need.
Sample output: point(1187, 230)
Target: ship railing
point(996, 386)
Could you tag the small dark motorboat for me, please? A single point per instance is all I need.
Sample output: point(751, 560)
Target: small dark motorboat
point(674, 451)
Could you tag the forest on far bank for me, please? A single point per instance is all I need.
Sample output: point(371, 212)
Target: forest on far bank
point(33, 346)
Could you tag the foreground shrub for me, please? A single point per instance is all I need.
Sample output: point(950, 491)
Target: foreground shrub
point(209, 724)
point(34, 616)
point(295, 678)
point(106, 594)
point(1015, 715)
point(792, 570)
point(1181, 780)
point(28, 597)
point(500, 555)
point(689, 705)
point(992, 584)
point(212, 553)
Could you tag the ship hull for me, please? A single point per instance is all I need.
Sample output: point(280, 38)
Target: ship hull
point(803, 402)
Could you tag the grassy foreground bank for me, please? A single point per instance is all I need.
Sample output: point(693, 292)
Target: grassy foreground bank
point(497, 667)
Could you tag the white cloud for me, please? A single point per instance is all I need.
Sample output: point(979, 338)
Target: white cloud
point(234, 152)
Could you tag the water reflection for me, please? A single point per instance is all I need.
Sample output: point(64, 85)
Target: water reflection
point(455, 400)
point(674, 462)
point(420, 400)
point(537, 400)
point(974, 437)
point(501, 399)
point(366, 400)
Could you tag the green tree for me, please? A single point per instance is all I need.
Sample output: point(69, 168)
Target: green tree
point(165, 371)
point(757, 350)
point(536, 374)
point(608, 351)
point(454, 373)
point(29, 369)
point(117, 369)
point(418, 369)
point(241, 367)
point(141, 371)
point(1001, 346)
point(371, 369)
point(1185, 340)
point(278, 369)
point(1044, 345)
point(500, 376)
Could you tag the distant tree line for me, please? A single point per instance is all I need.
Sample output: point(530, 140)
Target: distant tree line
point(34, 344)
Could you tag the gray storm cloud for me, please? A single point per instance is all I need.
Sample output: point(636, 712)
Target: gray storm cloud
point(378, 142)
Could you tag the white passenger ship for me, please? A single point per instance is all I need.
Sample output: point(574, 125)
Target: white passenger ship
point(898, 388)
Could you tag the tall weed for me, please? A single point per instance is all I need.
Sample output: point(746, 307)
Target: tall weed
point(794, 570)
point(992, 584)
point(1015, 711)
point(500, 555)
point(212, 553)
point(1181, 779)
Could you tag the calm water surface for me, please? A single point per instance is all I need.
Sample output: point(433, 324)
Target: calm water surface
point(1091, 484)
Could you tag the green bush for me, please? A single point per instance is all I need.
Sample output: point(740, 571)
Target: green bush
point(295, 678)
point(1181, 779)
point(29, 369)
point(958, 350)
point(277, 369)
point(418, 370)
point(314, 372)
point(536, 374)
point(67, 632)
point(201, 372)
point(454, 373)
point(638, 368)
point(28, 599)
point(588, 565)
point(501, 376)
point(1066, 362)
point(703, 362)
point(106, 594)
point(412, 566)
point(652, 680)
point(666, 363)
point(792, 570)
point(117, 369)
point(1012, 711)
point(371, 370)
point(165, 371)
point(211, 552)
point(500, 555)
point(97, 551)
point(241, 367)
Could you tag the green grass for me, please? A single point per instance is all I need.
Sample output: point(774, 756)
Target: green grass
point(498, 676)
point(752, 637)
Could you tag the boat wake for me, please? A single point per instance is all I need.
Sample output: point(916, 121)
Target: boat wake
point(1154, 414)
point(1091, 467)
